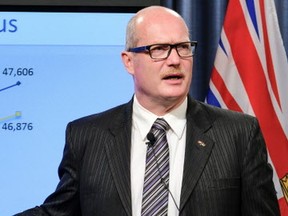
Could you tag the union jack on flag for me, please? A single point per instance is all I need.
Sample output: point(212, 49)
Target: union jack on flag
point(250, 75)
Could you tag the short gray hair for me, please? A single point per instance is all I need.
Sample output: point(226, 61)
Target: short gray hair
point(131, 35)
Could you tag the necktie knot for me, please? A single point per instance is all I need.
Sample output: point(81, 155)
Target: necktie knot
point(160, 124)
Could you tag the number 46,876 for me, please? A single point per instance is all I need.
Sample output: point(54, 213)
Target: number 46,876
point(23, 126)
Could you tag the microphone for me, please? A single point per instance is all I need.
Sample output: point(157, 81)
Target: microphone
point(150, 136)
point(152, 139)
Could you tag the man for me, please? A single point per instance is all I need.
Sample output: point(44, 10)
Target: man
point(217, 158)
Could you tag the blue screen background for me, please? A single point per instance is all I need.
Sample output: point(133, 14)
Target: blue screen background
point(69, 66)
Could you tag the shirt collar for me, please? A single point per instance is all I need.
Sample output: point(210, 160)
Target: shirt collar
point(143, 119)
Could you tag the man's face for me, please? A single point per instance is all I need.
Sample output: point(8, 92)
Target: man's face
point(160, 80)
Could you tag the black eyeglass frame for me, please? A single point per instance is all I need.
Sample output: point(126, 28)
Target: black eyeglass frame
point(148, 47)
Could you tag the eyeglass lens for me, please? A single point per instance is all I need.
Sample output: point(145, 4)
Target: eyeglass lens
point(164, 50)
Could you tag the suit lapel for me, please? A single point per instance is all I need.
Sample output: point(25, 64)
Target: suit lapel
point(198, 149)
point(118, 153)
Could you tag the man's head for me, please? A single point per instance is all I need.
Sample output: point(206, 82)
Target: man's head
point(160, 84)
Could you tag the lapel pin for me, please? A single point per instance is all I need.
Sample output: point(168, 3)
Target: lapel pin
point(201, 143)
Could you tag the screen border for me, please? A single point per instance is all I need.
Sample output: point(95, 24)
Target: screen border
point(113, 6)
point(82, 9)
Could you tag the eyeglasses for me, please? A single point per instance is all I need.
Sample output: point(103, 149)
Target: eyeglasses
point(162, 51)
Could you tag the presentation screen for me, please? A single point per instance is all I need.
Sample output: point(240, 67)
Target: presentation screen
point(54, 68)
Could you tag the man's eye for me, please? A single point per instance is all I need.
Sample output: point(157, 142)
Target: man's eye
point(160, 48)
point(184, 46)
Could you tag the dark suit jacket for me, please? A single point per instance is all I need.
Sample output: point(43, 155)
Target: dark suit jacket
point(225, 168)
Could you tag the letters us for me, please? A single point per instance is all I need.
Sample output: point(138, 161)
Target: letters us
point(8, 25)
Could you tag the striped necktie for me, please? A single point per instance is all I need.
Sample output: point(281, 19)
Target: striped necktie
point(156, 180)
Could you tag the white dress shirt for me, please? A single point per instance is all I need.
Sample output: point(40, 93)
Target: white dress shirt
point(142, 121)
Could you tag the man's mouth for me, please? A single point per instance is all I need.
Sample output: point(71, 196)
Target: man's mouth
point(173, 77)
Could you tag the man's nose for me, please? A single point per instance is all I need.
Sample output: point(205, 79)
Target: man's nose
point(173, 58)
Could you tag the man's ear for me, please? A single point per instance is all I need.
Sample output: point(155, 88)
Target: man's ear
point(128, 61)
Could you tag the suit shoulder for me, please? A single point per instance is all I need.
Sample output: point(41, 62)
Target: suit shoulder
point(229, 116)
